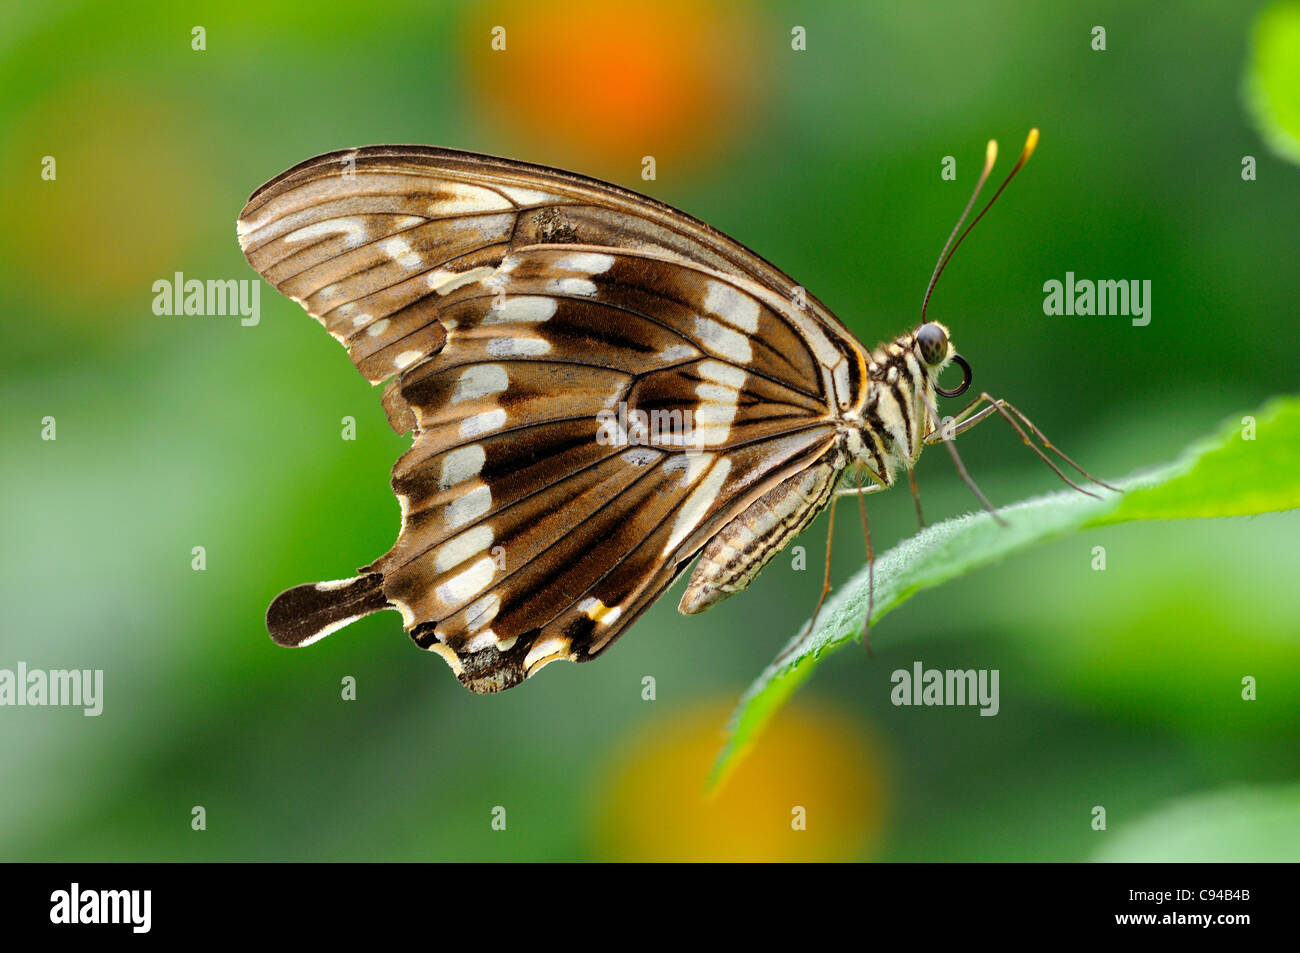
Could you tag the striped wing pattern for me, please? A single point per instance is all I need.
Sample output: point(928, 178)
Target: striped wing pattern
point(523, 316)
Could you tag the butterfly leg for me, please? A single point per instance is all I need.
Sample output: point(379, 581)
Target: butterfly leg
point(871, 571)
point(1056, 450)
point(916, 497)
point(826, 574)
point(860, 491)
point(968, 418)
point(946, 432)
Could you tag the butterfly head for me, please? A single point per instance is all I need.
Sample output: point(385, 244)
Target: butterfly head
point(934, 349)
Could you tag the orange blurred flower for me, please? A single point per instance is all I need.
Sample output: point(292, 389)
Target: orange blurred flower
point(597, 84)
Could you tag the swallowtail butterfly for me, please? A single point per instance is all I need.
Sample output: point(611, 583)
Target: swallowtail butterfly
point(600, 388)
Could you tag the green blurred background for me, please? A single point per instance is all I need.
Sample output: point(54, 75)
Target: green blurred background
point(1119, 688)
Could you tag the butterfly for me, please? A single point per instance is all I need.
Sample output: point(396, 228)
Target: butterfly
point(599, 388)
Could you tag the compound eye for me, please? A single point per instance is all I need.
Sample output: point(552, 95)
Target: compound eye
point(933, 343)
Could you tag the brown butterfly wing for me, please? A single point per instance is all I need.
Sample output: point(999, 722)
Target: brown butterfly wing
point(524, 537)
point(363, 236)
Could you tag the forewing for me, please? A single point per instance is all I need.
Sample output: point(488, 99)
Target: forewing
point(370, 242)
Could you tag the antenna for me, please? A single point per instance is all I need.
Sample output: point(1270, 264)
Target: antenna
point(990, 156)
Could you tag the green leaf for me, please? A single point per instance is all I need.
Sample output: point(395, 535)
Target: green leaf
point(1272, 86)
point(1251, 466)
point(1239, 825)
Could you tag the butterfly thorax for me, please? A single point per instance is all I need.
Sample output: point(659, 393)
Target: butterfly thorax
point(896, 415)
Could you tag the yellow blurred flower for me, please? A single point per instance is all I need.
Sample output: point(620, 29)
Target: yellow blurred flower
point(809, 789)
point(120, 212)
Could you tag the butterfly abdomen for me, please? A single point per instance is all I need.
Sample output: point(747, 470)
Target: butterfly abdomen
point(307, 613)
point(744, 546)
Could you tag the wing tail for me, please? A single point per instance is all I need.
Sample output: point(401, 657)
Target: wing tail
point(308, 613)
